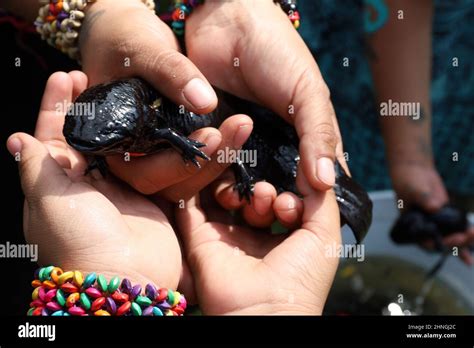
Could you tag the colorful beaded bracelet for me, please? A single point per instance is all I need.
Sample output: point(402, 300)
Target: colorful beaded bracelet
point(183, 9)
point(59, 22)
point(291, 9)
point(59, 293)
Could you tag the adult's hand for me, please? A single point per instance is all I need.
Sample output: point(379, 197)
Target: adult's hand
point(420, 184)
point(86, 222)
point(250, 48)
point(240, 271)
point(123, 38)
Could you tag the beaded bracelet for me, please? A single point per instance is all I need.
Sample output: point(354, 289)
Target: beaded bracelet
point(59, 22)
point(183, 9)
point(291, 9)
point(59, 293)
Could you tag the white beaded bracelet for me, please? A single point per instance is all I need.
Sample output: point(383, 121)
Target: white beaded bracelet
point(59, 23)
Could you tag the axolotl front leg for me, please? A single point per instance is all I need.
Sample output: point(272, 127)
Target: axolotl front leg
point(189, 148)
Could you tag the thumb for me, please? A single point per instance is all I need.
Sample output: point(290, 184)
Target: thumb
point(176, 77)
point(40, 174)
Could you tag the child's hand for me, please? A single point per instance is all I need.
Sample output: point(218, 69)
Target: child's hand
point(88, 223)
point(240, 271)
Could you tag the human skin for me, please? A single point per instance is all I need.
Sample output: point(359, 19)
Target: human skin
point(402, 72)
point(88, 223)
point(240, 271)
point(250, 49)
point(95, 224)
point(122, 38)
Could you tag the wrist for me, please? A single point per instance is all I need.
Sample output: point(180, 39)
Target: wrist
point(60, 293)
point(246, 12)
point(411, 153)
point(106, 35)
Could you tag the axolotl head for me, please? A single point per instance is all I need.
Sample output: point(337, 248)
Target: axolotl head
point(109, 118)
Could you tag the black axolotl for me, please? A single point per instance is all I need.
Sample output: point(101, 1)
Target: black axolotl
point(130, 116)
point(416, 225)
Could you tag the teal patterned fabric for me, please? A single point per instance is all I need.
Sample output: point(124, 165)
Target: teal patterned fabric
point(335, 30)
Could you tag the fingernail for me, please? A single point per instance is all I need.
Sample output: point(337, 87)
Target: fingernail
point(261, 205)
point(242, 135)
point(325, 171)
point(14, 146)
point(198, 93)
point(291, 204)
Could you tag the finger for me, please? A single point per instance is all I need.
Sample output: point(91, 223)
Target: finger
point(260, 212)
point(431, 197)
point(308, 106)
point(288, 209)
point(235, 132)
point(225, 193)
point(79, 83)
point(174, 75)
point(466, 256)
point(459, 239)
point(56, 99)
point(320, 230)
point(189, 218)
point(186, 284)
point(314, 120)
point(340, 147)
point(317, 155)
point(150, 174)
point(319, 207)
point(40, 174)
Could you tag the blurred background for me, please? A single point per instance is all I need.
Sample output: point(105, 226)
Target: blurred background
point(333, 30)
point(393, 279)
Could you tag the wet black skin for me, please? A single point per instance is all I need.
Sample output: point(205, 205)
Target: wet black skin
point(126, 120)
point(416, 225)
point(131, 117)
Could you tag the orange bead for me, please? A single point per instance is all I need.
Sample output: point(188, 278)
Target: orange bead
point(55, 273)
point(49, 284)
point(101, 313)
point(72, 299)
point(35, 283)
